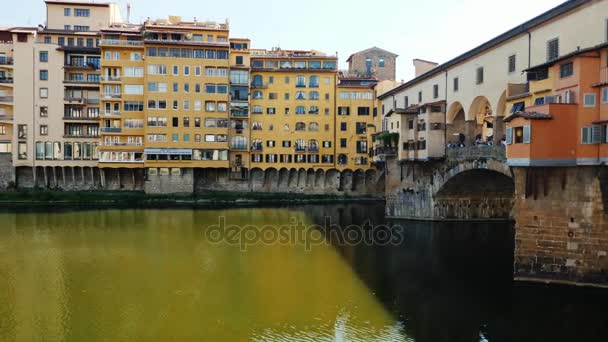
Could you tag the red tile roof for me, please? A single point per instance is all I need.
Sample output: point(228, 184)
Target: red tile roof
point(528, 116)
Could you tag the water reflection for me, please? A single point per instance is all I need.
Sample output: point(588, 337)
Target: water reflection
point(118, 275)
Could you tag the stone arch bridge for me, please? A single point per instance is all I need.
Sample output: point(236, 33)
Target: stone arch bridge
point(472, 183)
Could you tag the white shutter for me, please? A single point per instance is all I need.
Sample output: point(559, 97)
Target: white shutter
point(585, 135)
point(509, 135)
point(527, 134)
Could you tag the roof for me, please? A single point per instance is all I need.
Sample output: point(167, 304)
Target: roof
point(568, 56)
point(528, 116)
point(370, 49)
point(494, 42)
point(79, 3)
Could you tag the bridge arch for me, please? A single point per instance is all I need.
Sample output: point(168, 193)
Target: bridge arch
point(474, 190)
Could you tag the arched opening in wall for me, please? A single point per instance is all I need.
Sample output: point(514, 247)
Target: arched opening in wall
point(456, 129)
point(475, 194)
point(499, 115)
point(482, 114)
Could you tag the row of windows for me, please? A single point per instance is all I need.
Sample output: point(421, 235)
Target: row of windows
point(161, 121)
point(78, 12)
point(197, 155)
point(187, 53)
point(80, 42)
point(47, 150)
point(300, 110)
point(302, 145)
point(161, 69)
point(356, 95)
point(210, 106)
point(161, 87)
point(209, 138)
point(299, 95)
point(300, 81)
point(315, 65)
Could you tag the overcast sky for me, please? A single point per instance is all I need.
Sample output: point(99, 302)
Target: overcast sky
point(435, 30)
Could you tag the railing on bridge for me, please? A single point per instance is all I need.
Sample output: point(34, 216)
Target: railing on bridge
point(477, 152)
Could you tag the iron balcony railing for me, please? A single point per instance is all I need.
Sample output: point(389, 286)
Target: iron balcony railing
point(111, 78)
point(238, 146)
point(117, 42)
point(6, 80)
point(111, 130)
point(6, 99)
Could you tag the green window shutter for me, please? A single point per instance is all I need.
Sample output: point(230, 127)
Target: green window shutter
point(596, 134)
point(527, 134)
point(585, 135)
point(509, 135)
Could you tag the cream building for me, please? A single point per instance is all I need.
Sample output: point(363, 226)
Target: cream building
point(473, 86)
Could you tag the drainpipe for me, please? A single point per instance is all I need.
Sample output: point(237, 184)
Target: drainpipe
point(529, 48)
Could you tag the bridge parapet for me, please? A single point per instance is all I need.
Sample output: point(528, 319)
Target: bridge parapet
point(477, 152)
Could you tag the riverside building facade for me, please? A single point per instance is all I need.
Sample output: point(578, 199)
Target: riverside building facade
point(157, 105)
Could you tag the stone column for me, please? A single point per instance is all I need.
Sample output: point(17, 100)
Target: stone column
point(498, 129)
point(469, 132)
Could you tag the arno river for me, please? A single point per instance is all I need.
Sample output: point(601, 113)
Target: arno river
point(164, 275)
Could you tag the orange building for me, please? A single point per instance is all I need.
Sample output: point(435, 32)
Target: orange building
point(560, 118)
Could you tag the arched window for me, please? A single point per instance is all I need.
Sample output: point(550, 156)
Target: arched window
point(314, 110)
point(286, 128)
point(313, 127)
point(258, 81)
point(258, 95)
point(300, 127)
point(313, 146)
point(314, 82)
point(342, 159)
point(300, 95)
point(256, 126)
point(256, 145)
point(313, 95)
point(257, 110)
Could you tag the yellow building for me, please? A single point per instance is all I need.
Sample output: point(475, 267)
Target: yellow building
point(356, 121)
point(239, 133)
point(293, 109)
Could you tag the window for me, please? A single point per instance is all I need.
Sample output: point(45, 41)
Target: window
point(81, 28)
point(381, 63)
point(61, 41)
point(420, 97)
point(566, 70)
point(48, 40)
point(210, 106)
point(590, 100)
point(591, 135)
point(44, 111)
point(553, 49)
point(134, 89)
point(44, 93)
point(314, 82)
point(343, 143)
point(343, 126)
point(44, 56)
point(44, 130)
point(301, 82)
point(479, 76)
point(363, 111)
point(175, 70)
point(406, 102)
point(81, 12)
point(435, 91)
point(605, 95)
point(239, 60)
point(518, 107)
point(512, 63)
point(67, 12)
point(44, 75)
point(186, 70)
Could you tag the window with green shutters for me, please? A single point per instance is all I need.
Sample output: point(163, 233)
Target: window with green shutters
point(509, 136)
point(527, 134)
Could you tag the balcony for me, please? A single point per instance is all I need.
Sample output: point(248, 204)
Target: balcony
point(82, 65)
point(81, 81)
point(300, 149)
point(241, 147)
point(257, 148)
point(121, 144)
point(6, 80)
point(111, 96)
point(384, 151)
point(75, 100)
point(112, 113)
point(6, 61)
point(80, 136)
point(257, 85)
point(111, 78)
point(6, 118)
point(111, 130)
point(80, 118)
point(117, 42)
point(313, 149)
point(92, 101)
